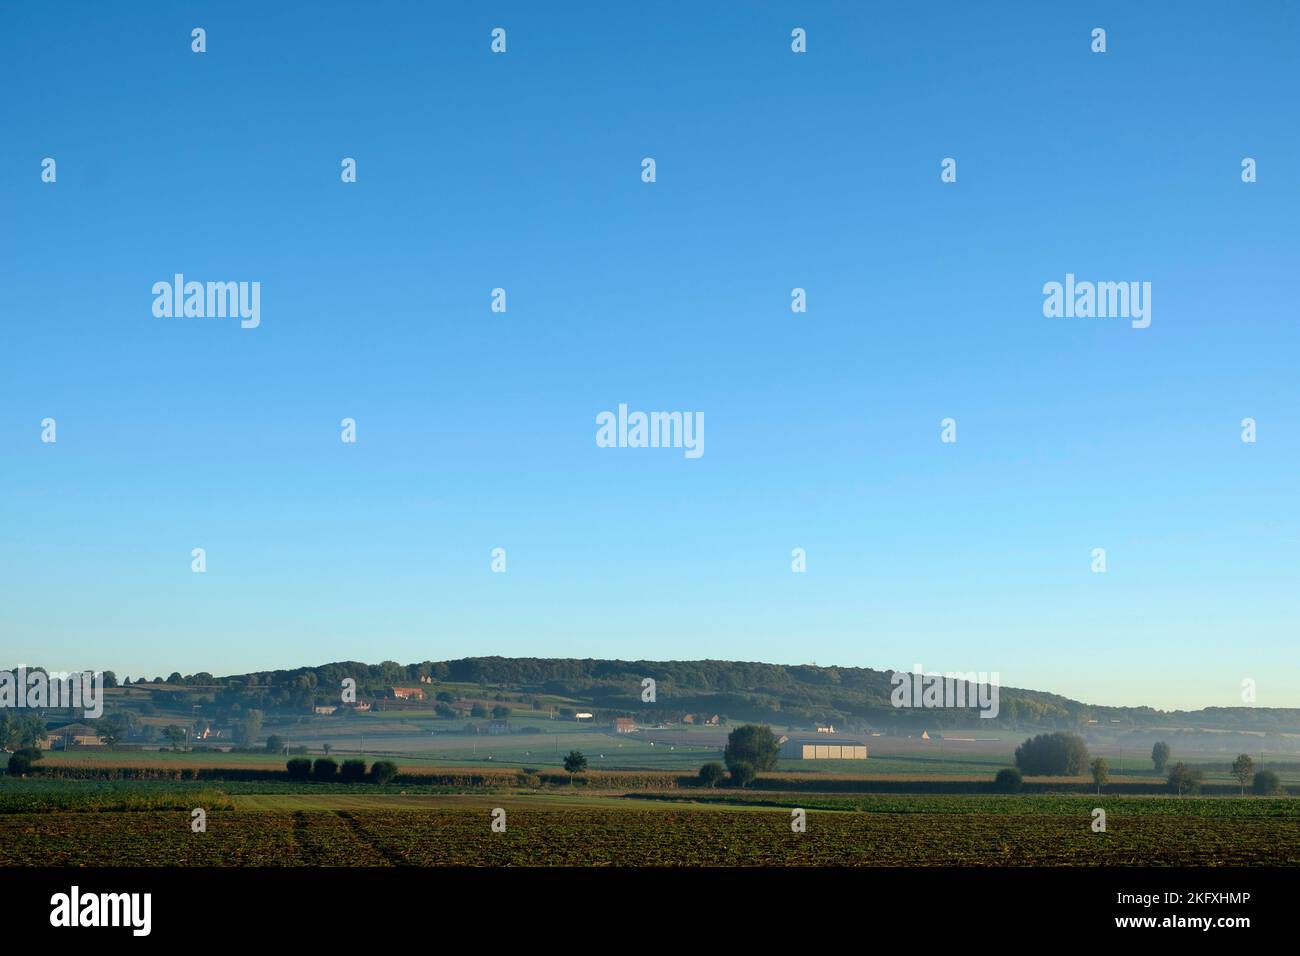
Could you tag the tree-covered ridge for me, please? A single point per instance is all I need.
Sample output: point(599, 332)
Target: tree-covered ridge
point(786, 694)
point(739, 689)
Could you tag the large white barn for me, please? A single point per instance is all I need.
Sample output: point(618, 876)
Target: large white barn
point(824, 747)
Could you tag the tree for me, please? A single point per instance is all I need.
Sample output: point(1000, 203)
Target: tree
point(1243, 768)
point(20, 730)
point(383, 771)
point(174, 735)
point(478, 710)
point(500, 712)
point(1052, 755)
point(743, 773)
point(1160, 756)
point(275, 744)
point(353, 771)
point(1100, 772)
point(574, 763)
point(20, 761)
point(299, 768)
point(324, 769)
point(1183, 779)
point(250, 728)
point(110, 729)
point(327, 748)
point(1008, 780)
point(1267, 783)
point(110, 679)
point(751, 744)
point(711, 774)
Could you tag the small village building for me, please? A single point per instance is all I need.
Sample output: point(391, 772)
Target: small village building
point(75, 735)
point(624, 725)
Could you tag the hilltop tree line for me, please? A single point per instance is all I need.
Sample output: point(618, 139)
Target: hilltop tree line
point(746, 691)
point(854, 698)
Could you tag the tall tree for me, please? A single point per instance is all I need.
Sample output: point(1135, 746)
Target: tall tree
point(1160, 756)
point(250, 728)
point(1100, 772)
point(1243, 768)
point(1183, 779)
point(575, 762)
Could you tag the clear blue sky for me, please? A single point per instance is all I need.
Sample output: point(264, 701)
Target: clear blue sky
point(477, 430)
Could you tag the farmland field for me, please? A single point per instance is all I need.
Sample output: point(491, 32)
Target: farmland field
point(278, 826)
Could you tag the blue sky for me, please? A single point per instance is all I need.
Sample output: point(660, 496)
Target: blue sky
point(476, 430)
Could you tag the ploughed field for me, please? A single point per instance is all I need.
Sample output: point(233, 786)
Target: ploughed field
point(139, 827)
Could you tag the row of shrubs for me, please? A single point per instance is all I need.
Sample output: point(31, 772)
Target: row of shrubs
point(93, 772)
point(327, 770)
point(1182, 780)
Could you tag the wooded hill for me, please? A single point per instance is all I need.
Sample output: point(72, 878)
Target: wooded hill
point(740, 690)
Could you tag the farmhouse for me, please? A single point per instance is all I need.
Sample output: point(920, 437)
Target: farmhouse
point(408, 693)
point(324, 710)
point(624, 725)
point(823, 747)
point(75, 735)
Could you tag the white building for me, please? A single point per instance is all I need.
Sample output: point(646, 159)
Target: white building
point(824, 747)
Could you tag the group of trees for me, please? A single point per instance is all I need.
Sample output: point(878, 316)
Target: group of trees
point(1065, 755)
point(1053, 755)
point(1263, 782)
point(1047, 755)
point(19, 730)
point(328, 770)
point(751, 749)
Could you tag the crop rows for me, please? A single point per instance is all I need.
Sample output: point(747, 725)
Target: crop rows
point(624, 837)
